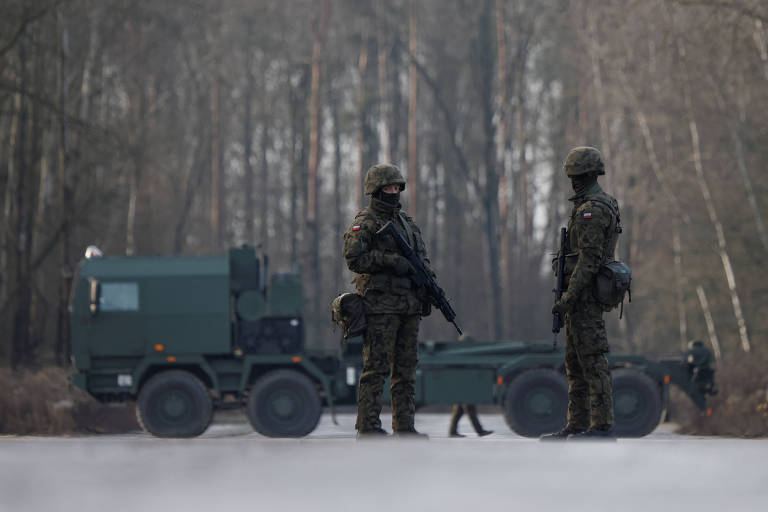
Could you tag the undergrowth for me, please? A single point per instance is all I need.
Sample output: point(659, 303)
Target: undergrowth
point(741, 405)
point(43, 402)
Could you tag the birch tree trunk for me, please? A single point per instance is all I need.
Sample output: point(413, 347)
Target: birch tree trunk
point(762, 47)
point(320, 27)
point(384, 106)
point(504, 258)
point(741, 164)
point(709, 321)
point(650, 150)
point(680, 287)
point(63, 345)
point(216, 218)
point(248, 200)
point(720, 232)
point(599, 92)
point(362, 100)
point(485, 56)
point(710, 205)
point(265, 144)
point(338, 229)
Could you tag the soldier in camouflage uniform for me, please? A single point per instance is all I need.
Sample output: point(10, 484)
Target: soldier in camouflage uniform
point(393, 306)
point(592, 235)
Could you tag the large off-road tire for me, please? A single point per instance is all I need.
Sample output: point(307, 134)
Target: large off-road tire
point(637, 403)
point(174, 403)
point(284, 403)
point(536, 402)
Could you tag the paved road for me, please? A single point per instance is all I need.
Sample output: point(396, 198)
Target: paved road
point(231, 468)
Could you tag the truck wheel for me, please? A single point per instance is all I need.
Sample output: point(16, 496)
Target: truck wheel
point(284, 403)
point(536, 403)
point(637, 403)
point(174, 403)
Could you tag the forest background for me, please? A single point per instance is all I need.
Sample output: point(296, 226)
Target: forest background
point(185, 127)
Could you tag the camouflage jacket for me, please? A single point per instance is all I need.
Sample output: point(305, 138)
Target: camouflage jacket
point(592, 238)
point(382, 277)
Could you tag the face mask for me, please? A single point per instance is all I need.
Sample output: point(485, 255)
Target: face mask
point(391, 199)
point(583, 182)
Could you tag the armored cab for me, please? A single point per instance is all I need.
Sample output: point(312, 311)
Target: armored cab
point(182, 335)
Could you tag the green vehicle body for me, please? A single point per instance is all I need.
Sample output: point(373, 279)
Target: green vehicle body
point(183, 336)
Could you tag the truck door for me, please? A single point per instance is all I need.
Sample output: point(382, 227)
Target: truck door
point(114, 325)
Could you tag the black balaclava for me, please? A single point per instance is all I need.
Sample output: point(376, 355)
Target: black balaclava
point(390, 199)
point(583, 182)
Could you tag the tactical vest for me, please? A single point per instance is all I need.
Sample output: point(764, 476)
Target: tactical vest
point(614, 277)
point(615, 229)
point(387, 281)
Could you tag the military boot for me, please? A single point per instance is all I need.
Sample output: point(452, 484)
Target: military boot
point(372, 433)
point(595, 434)
point(410, 433)
point(562, 434)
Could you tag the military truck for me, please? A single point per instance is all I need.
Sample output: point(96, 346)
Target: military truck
point(183, 336)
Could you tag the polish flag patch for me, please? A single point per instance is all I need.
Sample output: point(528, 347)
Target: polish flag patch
point(587, 215)
point(355, 228)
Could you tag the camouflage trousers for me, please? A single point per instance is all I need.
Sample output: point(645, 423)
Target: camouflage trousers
point(390, 348)
point(590, 391)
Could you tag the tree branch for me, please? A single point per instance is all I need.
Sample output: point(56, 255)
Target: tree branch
point(26, 22)
point(725, 4)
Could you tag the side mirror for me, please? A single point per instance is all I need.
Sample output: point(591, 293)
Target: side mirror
point(94, 296)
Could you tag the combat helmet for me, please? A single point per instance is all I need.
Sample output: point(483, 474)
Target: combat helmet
point(582, 160)
point(382, 175)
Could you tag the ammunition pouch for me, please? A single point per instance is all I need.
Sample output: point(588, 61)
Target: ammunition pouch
point(347, 312)
point(612, 283)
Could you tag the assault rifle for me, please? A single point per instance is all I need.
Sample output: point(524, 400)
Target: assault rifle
point(421, 275)
point(557, 321)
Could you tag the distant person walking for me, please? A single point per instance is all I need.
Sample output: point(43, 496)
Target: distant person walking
point(471, 410)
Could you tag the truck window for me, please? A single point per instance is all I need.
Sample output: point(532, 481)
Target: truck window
point(119, 297)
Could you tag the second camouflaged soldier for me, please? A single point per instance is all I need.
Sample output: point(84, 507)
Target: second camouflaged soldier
point(393, 306)
point(592, 235)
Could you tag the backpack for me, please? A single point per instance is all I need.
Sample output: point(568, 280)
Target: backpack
point(347, 312)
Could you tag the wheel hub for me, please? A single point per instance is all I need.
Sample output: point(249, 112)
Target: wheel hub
point(174, 405)
point(283, 405)
point(540, 403)
point(626, 403)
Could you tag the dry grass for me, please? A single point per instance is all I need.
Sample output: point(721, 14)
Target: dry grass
point(44, 403)
point(741, 407)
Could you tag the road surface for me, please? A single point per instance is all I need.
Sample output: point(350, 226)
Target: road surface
point(232, 468)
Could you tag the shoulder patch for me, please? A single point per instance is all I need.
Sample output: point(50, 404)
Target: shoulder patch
point(356, 228)
point(586, 215)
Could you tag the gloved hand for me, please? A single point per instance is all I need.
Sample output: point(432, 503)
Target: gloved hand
point(399, 264)
point(563, 306)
